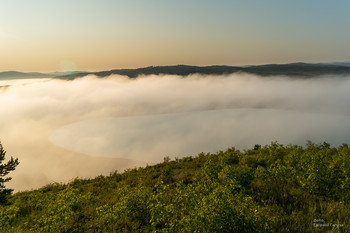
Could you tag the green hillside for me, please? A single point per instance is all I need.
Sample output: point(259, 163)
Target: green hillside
point(274, 188)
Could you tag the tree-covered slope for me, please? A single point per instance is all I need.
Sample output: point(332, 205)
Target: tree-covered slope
point(274, 188)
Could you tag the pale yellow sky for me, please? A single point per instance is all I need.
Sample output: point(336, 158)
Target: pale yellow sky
point(100, 35)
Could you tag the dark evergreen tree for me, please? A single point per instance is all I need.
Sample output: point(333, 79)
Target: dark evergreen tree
point(5, 169)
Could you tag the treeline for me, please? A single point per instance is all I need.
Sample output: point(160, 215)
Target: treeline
point(274, 188)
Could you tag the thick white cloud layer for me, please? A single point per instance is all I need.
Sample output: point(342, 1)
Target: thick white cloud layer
point(63, 129)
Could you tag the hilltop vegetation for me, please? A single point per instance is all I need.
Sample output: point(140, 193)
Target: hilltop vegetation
point(274, 188)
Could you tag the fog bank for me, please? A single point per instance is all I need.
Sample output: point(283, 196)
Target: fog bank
point(63, 129)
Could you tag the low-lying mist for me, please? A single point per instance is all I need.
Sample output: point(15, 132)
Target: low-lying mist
point(60, 129)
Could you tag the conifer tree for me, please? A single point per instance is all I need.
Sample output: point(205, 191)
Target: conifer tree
point(5, 169)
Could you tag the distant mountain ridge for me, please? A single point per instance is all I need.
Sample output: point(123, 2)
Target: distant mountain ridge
point(337, 63)
point(9, 75)
point(293, 69)
point(302, 70)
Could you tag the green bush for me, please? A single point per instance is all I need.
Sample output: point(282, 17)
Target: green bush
point(273, 188)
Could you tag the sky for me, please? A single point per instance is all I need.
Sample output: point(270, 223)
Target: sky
point(91, 35)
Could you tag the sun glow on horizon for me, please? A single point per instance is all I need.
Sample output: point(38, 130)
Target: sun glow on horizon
point(95, 36)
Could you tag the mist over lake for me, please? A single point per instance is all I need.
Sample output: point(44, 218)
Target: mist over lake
point(89, 126)
point(150, 138)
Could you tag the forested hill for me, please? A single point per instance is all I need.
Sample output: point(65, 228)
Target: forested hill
point(302, 70)
point(293, 69)
point(274, 188)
